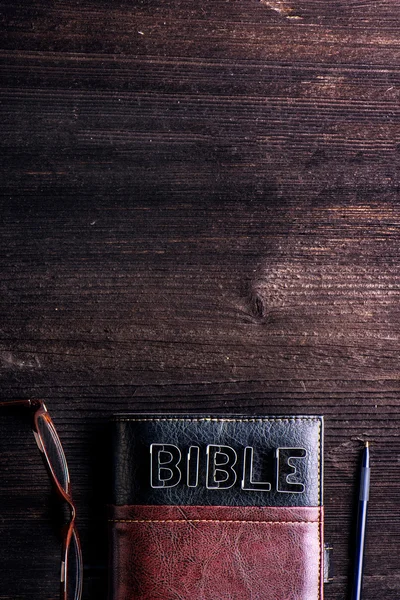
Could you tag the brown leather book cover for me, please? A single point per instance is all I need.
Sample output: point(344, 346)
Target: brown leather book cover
point(217, 508)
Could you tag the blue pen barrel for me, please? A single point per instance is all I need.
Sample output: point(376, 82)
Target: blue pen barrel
point(361, 524)
point(364, 485)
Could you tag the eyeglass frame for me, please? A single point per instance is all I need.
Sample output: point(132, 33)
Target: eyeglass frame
point(69, 531)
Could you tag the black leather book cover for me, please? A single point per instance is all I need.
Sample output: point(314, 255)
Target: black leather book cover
point(239, 460)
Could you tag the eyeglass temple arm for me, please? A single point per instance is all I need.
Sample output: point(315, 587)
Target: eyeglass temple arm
point(12, 403)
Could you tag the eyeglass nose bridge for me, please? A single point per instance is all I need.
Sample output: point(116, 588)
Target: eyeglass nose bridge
point(68, 510)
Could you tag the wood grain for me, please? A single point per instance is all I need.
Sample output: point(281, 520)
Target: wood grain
point(199, 212)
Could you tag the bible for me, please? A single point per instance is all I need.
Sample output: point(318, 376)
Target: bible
point(216, 507)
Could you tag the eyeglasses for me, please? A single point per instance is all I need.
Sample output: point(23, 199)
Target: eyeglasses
point(53, 455)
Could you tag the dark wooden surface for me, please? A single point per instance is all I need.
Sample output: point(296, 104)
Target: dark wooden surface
point(199, 212)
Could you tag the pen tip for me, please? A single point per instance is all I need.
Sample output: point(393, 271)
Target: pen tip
point(366, 444)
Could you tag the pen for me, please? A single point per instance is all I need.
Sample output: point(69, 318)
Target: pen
point(361, 523)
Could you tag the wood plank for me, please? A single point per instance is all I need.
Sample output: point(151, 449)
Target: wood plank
point(199, 212)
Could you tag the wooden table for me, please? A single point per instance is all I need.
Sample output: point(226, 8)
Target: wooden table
point(199, 212)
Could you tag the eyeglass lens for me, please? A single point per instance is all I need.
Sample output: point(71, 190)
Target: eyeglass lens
point(54, 450)
point(74, 580)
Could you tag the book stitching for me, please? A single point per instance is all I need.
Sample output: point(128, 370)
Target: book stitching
point(213, 521)
point(221, 419)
